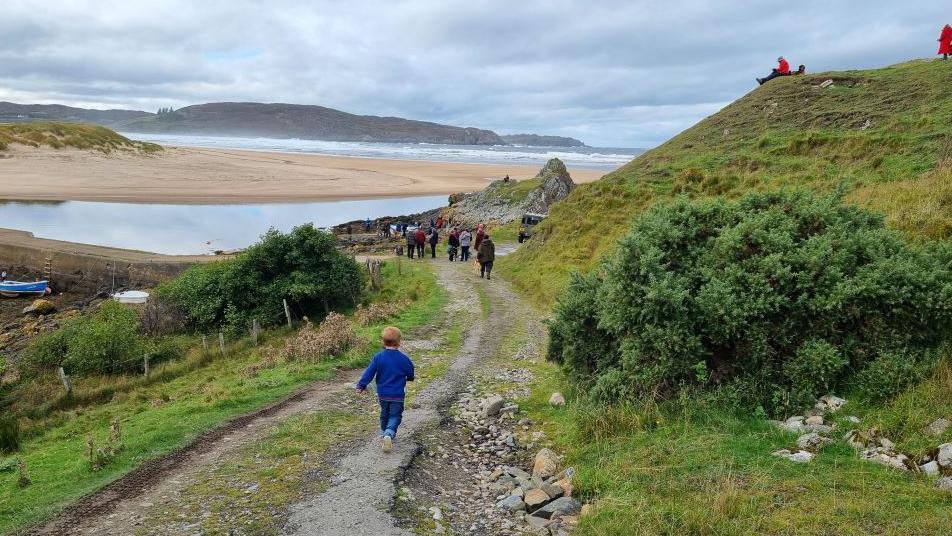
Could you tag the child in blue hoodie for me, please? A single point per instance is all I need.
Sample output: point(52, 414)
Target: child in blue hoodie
point(392, 369)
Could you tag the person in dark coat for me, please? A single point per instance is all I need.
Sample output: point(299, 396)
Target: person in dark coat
point(453, 242)
point(434, 239)
point(480, 234)
point(486, 255)
point(420, 236)
point(783, 69)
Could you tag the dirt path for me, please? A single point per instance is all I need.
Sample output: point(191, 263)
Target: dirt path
point(365, 490)
point(362, 490)
point(119, 507)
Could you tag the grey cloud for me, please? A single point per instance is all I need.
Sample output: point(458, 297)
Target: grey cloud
point(618, 73)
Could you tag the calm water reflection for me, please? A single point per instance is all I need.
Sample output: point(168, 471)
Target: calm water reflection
point(190, 229)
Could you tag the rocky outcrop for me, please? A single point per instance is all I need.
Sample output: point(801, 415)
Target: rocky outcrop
point(505, 201)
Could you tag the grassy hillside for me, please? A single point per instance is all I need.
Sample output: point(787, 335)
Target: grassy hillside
point(883, 136)
point(76, 135)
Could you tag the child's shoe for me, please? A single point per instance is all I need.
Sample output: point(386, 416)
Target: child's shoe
point(387, 443)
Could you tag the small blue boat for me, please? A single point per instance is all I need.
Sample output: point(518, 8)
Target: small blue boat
point(16, 288)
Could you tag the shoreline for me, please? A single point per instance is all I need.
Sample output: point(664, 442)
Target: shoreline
point(198, 175)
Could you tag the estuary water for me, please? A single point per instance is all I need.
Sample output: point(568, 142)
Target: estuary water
point(190, 229)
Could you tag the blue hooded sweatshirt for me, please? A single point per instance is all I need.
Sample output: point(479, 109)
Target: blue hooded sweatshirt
point(393, 369)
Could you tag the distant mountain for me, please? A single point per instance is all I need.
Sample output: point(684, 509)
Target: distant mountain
point(276, 121)
point(18, 113)
point(305, 122)
point(535, 140)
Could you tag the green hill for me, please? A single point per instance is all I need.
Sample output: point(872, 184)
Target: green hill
point(75, 135)
point(883, 136)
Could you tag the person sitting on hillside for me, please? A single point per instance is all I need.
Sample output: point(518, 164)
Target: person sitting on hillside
point(783, 69)
point(800, 70)
point(945, 42)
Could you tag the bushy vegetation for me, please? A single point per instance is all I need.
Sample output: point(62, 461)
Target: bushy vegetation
point(334, 336)
point(783, 297)
point(106, 341)
point(9, 434)
point(76, 135)
point(303, 266)
point(789, 133)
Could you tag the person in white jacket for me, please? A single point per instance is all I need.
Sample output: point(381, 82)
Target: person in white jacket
point(465, 241)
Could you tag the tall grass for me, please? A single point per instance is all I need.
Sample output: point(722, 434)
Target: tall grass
point(76, 135)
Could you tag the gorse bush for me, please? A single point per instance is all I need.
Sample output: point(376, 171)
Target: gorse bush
point(783, 297)
point(302, 266)
point(106, 341)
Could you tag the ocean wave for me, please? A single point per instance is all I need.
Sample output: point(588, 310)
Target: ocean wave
point(584, 157)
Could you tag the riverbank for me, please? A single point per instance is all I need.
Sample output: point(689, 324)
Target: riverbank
point(199, 175)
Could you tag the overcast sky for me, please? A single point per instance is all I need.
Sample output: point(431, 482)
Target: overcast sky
point(612, 73)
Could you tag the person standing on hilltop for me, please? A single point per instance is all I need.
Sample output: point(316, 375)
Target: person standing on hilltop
point(420, 237)
point(486, 255)
point(945, 42)
point(783, 69)
point(434, 240)
point(465, 240)
point(391, 369)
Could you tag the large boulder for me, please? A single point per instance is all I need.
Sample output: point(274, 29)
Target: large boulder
point(557, 184)
point(506, 201)
point(546, 464)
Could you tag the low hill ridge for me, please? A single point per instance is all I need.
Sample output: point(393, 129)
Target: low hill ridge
point(278, 120)
point(882, 136)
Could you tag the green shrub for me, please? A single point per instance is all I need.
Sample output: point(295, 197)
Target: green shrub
point(103, 342)
point(782, 296)
point(9, 434)
point(303, 266)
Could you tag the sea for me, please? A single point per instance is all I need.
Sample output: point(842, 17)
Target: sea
point(602, 158)
point(203, 229)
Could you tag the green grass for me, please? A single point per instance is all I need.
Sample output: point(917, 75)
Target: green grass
point(161, 416)
point(690, 466)
point(516, 192)
point(75, 135)
point(787, 134)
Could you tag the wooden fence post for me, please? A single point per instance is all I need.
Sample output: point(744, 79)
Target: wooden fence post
point(254, 331)
point(145, 365)
point(221, 343)
point(205, 343)
point(65, 379)
point(287, 313)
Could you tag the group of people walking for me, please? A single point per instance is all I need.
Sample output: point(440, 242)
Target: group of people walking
point(458, 245)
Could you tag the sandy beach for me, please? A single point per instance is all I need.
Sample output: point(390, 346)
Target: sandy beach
point(199, 175)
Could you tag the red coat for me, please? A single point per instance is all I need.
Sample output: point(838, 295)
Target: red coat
point(945, 40)
point(784, 67)
point(420, 237)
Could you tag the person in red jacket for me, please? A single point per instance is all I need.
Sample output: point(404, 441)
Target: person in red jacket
point(783, 69)
point(945, 42)
point(420, 242)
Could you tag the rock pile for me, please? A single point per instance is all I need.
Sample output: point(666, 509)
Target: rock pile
point(813, 430)
point(543, 498)
point(477, 470)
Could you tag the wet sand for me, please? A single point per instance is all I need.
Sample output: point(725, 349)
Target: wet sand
point(199, 175)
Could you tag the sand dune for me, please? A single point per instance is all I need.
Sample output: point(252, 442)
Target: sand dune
point(198, 175)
